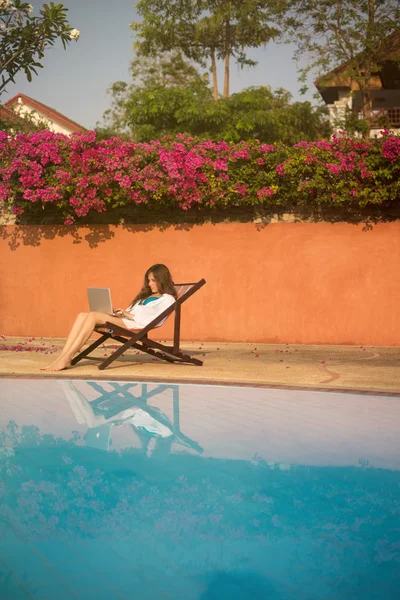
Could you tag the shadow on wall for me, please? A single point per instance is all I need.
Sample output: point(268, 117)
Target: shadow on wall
point(33, 235)
point(30, 230)
point(97, 228)
point(93, 235)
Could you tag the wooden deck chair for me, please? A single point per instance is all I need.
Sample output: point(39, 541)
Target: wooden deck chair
point(139, 339)
point(119, 398)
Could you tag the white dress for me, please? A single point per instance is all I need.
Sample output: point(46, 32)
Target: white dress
point(143, 314)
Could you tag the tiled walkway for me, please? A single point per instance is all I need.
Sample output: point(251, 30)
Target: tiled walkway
point(325, 367)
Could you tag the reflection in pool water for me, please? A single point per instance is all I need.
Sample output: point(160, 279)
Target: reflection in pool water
point(116, 490)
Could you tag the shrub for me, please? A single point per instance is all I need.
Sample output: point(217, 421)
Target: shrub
point(78, 176)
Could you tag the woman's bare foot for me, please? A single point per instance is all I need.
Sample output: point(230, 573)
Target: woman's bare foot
point(49, 366)
point(63, 362)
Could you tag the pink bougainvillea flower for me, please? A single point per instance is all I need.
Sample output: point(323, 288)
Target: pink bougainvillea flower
point(265, 192)
point(267, 148)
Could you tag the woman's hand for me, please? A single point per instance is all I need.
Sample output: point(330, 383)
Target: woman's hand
point(118, 312)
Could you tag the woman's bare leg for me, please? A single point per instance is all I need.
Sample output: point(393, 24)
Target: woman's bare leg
point(85, 407)
point(79, 335)
point(76, 398)
point(83, 335)
point(76, 327)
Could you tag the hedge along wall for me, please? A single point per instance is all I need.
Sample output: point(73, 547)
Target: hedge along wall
point(77, 177)
point(285, 282)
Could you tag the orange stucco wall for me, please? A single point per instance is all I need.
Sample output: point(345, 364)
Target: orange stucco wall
point(286, 282)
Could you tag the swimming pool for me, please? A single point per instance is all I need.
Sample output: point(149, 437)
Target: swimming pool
point(146, 490)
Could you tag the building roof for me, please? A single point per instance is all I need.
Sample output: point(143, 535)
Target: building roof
point(388, 55)
point(46, 111)
point(9, 115)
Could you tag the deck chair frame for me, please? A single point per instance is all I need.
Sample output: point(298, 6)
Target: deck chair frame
point(139, 339)
point(123, 398)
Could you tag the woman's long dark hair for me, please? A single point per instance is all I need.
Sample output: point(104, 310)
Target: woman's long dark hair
point(163, 279)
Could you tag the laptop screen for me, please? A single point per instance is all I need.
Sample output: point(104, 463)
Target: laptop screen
point(100, 300)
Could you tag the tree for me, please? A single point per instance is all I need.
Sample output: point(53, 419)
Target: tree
point(205, 30)
point(162, 88)
point(24, 38)
point(152, 110)
point(354, 34)
point(259, 113)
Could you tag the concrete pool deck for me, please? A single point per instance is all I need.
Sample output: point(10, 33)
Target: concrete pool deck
point(369, 369)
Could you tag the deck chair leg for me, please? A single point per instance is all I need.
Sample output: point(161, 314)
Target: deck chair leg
point(190, 359)
point(117, 354)
point(88, 350)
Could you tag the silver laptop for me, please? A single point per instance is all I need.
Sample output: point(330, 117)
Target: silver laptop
point(100, 300)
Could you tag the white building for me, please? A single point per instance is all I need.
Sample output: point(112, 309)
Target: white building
point(340, 93)
point(24, 105)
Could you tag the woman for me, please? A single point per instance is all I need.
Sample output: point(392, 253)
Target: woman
point(157, 294)
point(153, 428)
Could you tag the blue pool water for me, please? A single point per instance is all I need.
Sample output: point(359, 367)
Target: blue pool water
point(114, 490)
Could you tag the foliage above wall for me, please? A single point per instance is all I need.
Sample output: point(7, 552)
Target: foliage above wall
point(25, 37)
point(169, 97)
point(75, 177)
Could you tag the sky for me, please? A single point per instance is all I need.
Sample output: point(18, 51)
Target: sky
point(75, 81)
